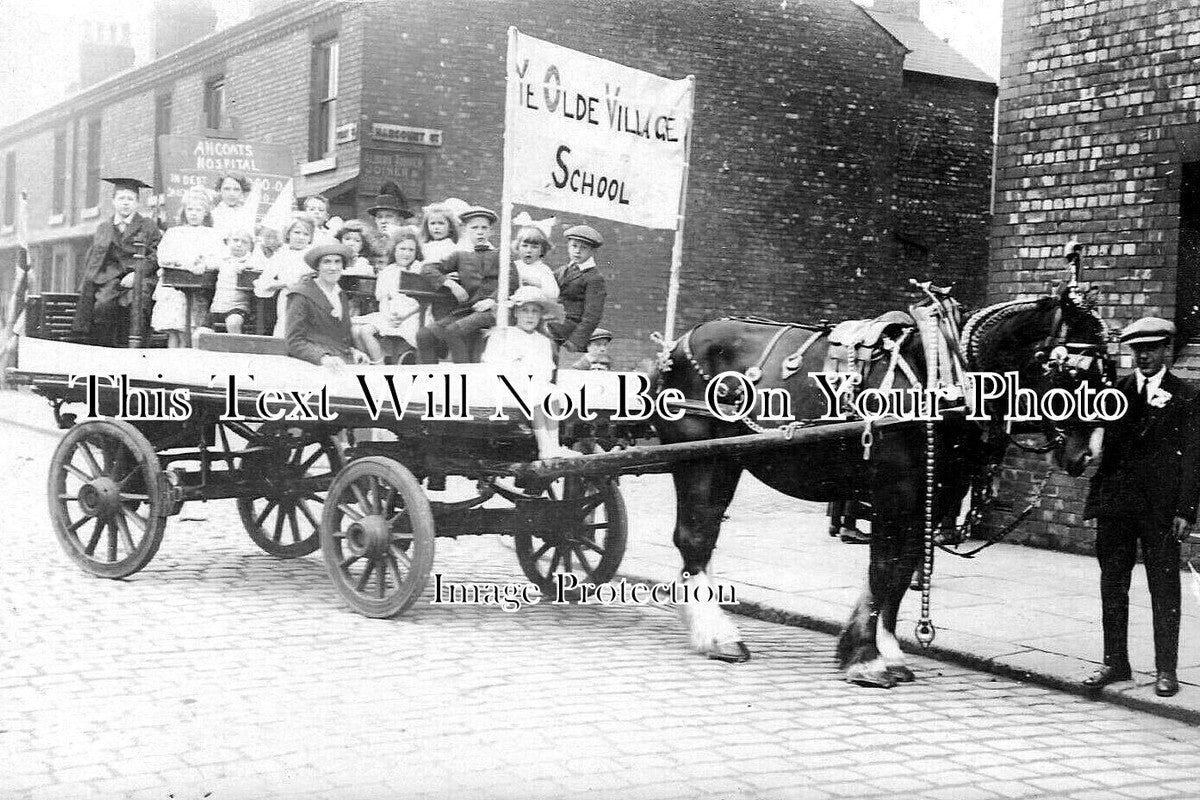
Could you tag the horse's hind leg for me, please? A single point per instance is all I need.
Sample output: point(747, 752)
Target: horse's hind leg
point(703, 490)
point(868, 649)
point(908, 558)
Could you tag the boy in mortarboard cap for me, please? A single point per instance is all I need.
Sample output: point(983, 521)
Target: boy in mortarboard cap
point(120, 244)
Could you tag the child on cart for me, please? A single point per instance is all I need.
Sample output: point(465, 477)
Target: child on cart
point(231, 304)
point(526, 348)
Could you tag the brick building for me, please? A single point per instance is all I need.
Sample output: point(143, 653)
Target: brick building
point(836, 152)
point(1099, 140)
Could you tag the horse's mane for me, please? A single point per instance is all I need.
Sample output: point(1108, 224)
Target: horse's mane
point(991, 338)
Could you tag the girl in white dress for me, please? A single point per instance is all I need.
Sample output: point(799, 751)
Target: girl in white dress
point(192, 244)
point(440, 231)
point(232, 211)
point(286, 268)
point(524, 348)
point(398, 316)
point(353, 234)
point(530, 248)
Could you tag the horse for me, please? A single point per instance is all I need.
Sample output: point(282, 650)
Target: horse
point(1058, 341)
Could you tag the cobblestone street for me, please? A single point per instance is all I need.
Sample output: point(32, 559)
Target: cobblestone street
point(221, 672)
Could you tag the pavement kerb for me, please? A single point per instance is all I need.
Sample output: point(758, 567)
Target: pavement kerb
point(1139, 698)
point(1162, 707)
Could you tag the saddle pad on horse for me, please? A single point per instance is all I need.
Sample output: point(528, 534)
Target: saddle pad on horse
point(848, 338)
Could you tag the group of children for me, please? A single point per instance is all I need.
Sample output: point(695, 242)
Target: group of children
point(449, 255)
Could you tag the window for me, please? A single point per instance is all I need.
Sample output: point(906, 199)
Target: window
point(321, 140)
point(162, 127)
point(92, 179)
point(215, 116)
point(10, 188)
point(59, 195)
point(162, 115)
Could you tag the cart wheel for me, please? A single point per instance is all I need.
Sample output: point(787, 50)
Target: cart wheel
point(377, 536)
point(286, 523)
point(587, 539)
point(105, 499)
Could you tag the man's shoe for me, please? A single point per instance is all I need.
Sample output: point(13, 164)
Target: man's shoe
point(1167, 684)
point(1106, 675)
point(855, 536)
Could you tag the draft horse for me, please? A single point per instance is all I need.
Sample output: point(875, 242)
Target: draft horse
point(1052, 342)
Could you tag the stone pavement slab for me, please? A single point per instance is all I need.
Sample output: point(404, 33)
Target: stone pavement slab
point(1014, 610)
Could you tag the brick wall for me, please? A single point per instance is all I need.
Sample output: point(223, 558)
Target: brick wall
point(810, 149)
point(944, 178)
point(794, 157)
point(268, 74)
point(1098, 111)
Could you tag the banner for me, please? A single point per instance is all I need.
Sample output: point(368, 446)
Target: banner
point(188, 161)
point(594, 137)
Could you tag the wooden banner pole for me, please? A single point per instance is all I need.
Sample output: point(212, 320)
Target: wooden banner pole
point(506, 215)
point(677, 246)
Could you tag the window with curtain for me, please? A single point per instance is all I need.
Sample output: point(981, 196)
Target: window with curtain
point(324, 99)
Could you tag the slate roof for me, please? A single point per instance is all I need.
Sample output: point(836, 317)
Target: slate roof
point(927, 53)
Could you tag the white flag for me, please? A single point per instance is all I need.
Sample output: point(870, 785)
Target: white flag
point(280, 212)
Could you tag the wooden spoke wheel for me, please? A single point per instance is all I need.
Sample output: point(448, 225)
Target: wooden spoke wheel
point(285, 522)
point(586, 537)
point(377, 536)
point(106, 503)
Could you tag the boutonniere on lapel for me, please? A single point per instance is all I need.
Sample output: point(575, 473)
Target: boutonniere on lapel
point(1159, 399)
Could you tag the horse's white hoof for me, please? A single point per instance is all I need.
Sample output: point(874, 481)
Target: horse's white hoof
point(729, 652)
point(901, 673)
point(870, 674)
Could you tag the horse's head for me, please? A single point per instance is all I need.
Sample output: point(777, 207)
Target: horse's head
point(1058, 346)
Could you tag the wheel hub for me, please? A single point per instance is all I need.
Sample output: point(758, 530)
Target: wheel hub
point(100, 498)
point(370, 536)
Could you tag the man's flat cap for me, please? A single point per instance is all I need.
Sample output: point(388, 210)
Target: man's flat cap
point(1148, 330)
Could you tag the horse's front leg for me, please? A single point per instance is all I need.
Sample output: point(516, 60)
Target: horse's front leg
point(703, 491)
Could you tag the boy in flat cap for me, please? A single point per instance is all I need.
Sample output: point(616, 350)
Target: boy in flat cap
point(105, 291)
point(1145, 490)
point(596, 356)
point(581, 290)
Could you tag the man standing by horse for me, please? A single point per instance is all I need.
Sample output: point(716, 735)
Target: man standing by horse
point(1145, 490)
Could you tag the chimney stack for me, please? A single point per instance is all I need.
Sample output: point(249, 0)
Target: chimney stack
point(175, 24)
point(104, 51)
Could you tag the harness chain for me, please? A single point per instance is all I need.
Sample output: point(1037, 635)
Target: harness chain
point(925, 631)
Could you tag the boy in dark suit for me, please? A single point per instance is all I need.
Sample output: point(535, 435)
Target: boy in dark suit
point(109, 269)
point(1145, 490)
point(581, 291)
point(473, 278)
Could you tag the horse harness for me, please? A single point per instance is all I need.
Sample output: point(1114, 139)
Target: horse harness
point(864, 346)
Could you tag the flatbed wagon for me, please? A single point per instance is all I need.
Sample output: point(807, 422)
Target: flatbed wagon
point(333, 460)
point(349, 484)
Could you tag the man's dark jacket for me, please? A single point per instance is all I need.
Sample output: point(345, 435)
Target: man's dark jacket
point(1150, 457)
point(110, 257)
